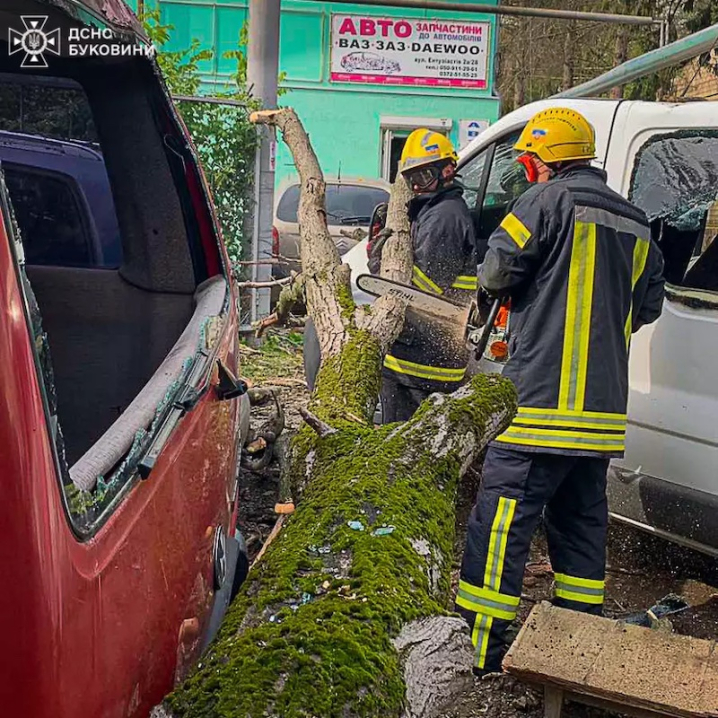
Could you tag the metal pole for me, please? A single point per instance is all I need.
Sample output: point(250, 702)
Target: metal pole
point(507, 10)
point(672, 54)
point(262, 73)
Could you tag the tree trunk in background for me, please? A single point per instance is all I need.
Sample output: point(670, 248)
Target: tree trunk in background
point(621, 55)
point(568, 60)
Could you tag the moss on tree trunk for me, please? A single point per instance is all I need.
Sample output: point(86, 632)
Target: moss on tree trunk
point(311, 633)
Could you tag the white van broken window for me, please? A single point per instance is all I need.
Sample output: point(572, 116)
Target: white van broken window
point(675, 182)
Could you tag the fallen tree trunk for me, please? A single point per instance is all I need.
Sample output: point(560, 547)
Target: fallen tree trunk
point(347, 614)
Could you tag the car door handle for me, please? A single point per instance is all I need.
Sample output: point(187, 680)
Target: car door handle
point(228, 386)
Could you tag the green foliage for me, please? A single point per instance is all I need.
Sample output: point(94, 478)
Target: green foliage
point(539, 57)
point(222, 134)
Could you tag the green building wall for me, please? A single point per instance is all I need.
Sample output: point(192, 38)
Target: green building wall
point(344, 120)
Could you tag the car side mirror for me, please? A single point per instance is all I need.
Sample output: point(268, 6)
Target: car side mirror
point(228, 386)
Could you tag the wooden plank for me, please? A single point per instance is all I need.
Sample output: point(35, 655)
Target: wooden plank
point(668, 674)
point(612, 706)
point(553, 702)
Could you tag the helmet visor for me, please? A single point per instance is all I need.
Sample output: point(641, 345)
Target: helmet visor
point(422, 178)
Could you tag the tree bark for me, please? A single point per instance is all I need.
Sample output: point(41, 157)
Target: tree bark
point(348, 612)
point(568, 59)
point(620, 56)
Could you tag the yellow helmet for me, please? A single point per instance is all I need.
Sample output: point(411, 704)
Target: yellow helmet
point(424, 147)
point(558, 135)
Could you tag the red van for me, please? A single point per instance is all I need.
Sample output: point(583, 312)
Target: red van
point(121, 416)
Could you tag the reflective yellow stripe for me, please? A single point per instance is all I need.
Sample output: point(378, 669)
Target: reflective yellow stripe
point(483, 600)
point(561, 413)
point(488, 602)
point(516, 229)
point(465, 282)
point(497, 543)
point(612, 436)
point(578, 597)
point(580, 420)
point(640, 256)
point(576, 440)
point(569, 423)
point(480, 638)
point(577, 328)
point(490, 594)
point(485, 608)
point(423, 371)
point(423, 282)
point(592, 583)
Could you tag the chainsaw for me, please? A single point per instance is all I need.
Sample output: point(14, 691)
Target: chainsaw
point(478, 324)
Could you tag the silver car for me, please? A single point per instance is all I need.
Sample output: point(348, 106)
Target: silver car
point(350, 204)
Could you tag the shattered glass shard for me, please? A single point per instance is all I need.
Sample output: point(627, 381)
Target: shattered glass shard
point(675, 177)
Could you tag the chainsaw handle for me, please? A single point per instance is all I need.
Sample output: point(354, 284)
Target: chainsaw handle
point(486, 330)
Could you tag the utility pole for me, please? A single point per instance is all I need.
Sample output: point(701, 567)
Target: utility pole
point(262, 73)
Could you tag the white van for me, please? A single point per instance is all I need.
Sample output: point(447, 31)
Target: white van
point(664, 158)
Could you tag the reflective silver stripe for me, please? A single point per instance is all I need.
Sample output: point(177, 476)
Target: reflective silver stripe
point(616, 423)
point(480, 638)
point(612, 221)
point(484, 605)
point(560, 586)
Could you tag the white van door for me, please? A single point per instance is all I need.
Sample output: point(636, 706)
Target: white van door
point(664, 158)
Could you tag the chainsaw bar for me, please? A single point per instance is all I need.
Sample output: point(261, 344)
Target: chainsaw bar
point(431, 304)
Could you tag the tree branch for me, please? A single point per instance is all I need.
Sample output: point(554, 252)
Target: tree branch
point(262, 285)
point(326, 280)
point(317, 424)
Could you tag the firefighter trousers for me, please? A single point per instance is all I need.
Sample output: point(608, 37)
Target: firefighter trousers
point(399, 401)
point(517, 487)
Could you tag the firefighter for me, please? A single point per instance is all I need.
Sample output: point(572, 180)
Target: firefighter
point(430, 357)
point(582, 273)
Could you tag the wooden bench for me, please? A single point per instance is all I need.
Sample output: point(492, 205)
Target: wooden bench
point(609, 664)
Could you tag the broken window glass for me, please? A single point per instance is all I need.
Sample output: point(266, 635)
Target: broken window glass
point(46, 106)
point(675, 182)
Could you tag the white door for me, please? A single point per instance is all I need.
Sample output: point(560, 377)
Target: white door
point(669, 477)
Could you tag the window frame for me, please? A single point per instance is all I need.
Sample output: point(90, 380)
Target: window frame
point(490, 148)
point(691, 297)
point(95, 253)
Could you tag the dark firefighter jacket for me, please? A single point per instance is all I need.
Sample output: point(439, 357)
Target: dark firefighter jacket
point(582, 272)
point(433, 356)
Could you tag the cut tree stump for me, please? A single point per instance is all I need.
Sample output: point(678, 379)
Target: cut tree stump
point(615, 666)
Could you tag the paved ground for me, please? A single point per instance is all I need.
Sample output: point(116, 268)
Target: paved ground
point(641, 568)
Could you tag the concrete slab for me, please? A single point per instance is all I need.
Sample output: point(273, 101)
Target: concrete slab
point(660, 673)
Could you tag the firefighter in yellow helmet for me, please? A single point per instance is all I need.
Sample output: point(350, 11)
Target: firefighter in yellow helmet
point(431, 357)
point(582, 272)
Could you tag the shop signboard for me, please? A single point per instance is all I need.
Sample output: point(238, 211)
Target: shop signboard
point(410, 52)
point(469, 130)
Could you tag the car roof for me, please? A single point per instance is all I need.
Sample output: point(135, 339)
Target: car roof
point(589, 107)
point(48, 145)
point(115, 13)
point(369, 182)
